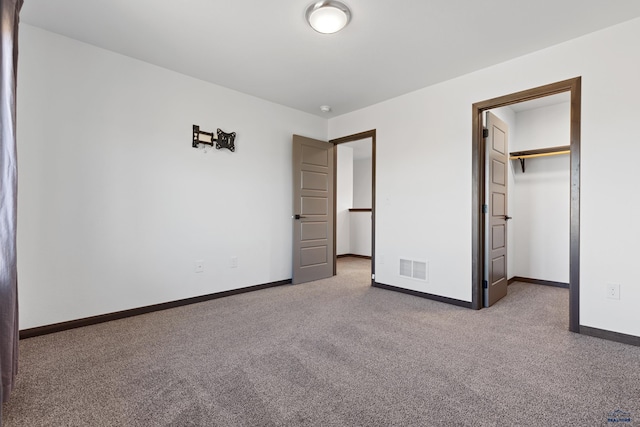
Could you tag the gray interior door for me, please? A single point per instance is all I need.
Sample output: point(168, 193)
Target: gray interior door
point(313, 188)
point(496, 218)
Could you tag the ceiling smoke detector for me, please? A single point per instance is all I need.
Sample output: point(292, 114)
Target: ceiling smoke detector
point(325, 108)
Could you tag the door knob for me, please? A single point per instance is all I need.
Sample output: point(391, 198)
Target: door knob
point(507, 218)
point(298, 216)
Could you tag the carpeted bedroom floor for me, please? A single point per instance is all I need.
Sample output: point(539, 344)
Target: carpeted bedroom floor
point(336, 352)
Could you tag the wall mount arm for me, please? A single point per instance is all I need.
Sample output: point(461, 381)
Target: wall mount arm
point(202, 137)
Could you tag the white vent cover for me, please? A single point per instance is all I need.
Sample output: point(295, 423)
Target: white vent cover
point(405, 267)
point(419, 270)
point(414, 269)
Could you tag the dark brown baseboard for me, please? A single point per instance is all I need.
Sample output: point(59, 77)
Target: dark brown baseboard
point(539, 282)
point(353, 256)
point(93, 320)
point(432, 297)
point(610, 335)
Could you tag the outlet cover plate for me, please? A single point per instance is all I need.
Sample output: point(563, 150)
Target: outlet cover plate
point(613, 291)
point(198, 266)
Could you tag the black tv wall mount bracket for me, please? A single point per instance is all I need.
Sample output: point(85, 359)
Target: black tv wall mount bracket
point(220, 139)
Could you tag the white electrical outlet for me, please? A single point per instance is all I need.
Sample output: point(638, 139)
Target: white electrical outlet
point(233, 263)
point(613, 291)
point(198, 266)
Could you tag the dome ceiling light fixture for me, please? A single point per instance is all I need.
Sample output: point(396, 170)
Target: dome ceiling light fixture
point(328, 16)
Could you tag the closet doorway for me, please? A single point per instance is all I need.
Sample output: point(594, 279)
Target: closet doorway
point(573, 88)
point(537, 182)
point(355, 197)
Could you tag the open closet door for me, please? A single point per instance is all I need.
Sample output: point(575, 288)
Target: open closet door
point(313, 190)
point(496, 217)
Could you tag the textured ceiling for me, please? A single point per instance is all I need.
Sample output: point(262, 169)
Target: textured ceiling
point(266, 49)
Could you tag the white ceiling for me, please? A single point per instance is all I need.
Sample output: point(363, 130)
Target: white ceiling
point(266, 48)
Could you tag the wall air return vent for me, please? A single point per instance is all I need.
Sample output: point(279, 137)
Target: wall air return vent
point(418, 270)
point(406, 267)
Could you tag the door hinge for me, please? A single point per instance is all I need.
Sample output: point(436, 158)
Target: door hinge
point(485, 209)
point(485, 133)
point(485, 284)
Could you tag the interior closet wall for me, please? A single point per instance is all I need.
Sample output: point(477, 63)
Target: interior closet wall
point(538, 199)
point(540, 196)
point(360, 222)
point(344, 198)
point(353, 229)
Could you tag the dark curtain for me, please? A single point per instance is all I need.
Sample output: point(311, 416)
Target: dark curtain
point(10, 10)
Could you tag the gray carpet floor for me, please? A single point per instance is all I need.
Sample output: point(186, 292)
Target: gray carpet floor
point(336, 352)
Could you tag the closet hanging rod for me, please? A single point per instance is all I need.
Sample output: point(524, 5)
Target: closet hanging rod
point(551, 151)
point(528, 156)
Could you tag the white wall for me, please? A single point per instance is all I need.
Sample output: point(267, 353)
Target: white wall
point(353, 229)
point(361, 221)
point(362, 183)
point(424, 178)
point(115, 206)
point(360, 238)
point(540, 196)
point(344, 198)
